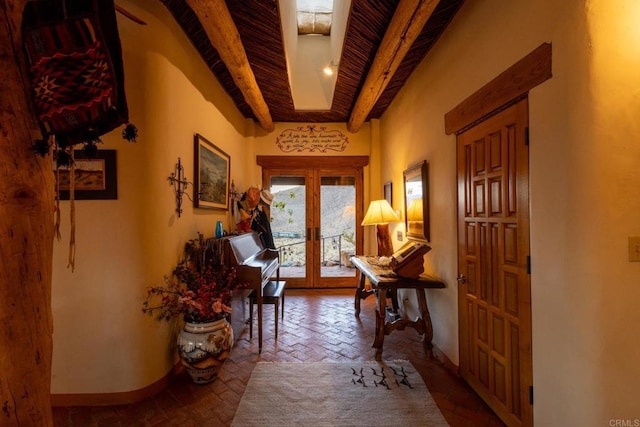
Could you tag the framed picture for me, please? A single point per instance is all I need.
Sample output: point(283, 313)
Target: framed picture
point(94, 178)
point(416, 201)
point(212, 168)
point(388, 195)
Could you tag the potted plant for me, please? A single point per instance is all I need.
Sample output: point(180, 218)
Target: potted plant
point(198, 292)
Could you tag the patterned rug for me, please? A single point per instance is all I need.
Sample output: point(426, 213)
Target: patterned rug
point(337, 394)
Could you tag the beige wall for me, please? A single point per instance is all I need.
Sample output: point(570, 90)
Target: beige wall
point(362, 143)
point(584, 180)
point(262, 144)
point(102, 341)
point(584, 177)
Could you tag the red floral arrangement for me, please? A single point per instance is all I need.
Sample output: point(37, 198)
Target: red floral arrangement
point(198, 291)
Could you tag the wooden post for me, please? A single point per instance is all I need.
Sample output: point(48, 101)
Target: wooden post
point(26, 241)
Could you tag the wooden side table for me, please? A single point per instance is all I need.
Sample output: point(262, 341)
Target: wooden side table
point(383, 282)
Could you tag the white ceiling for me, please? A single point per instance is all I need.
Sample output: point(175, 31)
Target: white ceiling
point(308, 55)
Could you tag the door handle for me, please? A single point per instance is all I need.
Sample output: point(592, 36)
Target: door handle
point(462, 279)
point(308, 234)
point(317, 233)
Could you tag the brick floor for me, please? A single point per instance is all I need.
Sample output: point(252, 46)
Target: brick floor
point(318, 326)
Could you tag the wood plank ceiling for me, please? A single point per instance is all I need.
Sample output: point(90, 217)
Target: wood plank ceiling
point(258, 23)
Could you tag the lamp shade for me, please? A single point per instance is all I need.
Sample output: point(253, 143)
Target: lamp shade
point(380, 212)
point(415, 211)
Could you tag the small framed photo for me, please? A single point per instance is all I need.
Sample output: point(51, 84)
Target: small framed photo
point(388, 195)
point(212, 171)
point(94, 176)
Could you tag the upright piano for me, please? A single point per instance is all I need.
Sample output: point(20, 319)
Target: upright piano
point(255, 265)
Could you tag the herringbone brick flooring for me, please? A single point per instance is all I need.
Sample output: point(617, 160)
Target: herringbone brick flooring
point(318, 326)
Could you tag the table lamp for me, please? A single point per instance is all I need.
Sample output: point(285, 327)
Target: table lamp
point(380, 214)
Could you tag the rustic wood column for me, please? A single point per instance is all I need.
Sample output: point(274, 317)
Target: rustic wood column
point(26, 242)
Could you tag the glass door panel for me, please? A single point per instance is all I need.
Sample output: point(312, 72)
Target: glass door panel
point(337, 229)
point(314, 220)
point(290, 227)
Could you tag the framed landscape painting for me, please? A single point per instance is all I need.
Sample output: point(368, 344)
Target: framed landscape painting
point(212, 169)
point(94, 178)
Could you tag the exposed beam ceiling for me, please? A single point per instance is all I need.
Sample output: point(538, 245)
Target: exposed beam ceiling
point(257, 23)
point(223, 35)
point(405, 27)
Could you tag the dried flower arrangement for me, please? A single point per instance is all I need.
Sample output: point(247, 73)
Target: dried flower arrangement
point(198, 290)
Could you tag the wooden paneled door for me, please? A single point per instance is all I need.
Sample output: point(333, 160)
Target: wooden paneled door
point(493, 257)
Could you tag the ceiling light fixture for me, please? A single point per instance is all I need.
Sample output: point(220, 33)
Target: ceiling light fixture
point(330, 69)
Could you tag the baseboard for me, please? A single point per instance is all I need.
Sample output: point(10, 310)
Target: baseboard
point(123, 398)
point(445, 361)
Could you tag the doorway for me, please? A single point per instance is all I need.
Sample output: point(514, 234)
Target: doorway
point(494, 298)
point(315, 218)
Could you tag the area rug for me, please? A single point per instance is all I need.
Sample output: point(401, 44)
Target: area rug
point(337, 394)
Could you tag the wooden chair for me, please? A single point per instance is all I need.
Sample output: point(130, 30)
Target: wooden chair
point(272, 293)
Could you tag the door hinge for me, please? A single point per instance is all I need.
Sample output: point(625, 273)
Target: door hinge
point(526, 135)
point(528, 264)
point(531, 395)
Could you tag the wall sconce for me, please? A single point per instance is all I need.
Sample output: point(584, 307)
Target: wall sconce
point(380, 214)
point(180, 185)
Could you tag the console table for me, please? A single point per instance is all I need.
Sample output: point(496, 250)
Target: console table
point(384, 282)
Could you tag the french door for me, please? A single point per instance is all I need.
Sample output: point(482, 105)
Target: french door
point(315, 220)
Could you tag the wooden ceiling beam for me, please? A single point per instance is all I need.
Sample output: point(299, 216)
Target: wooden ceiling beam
point(223, 34)
point(407, 23)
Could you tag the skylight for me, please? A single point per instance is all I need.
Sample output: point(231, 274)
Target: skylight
point(314, 16)
point(310, 51)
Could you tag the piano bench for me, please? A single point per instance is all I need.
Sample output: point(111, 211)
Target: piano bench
point(272, 292)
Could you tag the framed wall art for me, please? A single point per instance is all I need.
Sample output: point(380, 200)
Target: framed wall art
point(212, 170)
point(94, 176)
point(388, 194)
point(416, 201)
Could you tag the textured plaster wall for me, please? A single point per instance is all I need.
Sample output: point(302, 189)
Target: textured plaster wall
point(584, 180)
point(361, 143)
point(102, 341)
point(584, 176)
